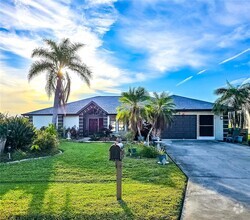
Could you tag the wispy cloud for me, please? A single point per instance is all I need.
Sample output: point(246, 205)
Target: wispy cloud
point(234, 57)
point(184, 81)
point(239, 81)
point(202, 71)
point(247, 80)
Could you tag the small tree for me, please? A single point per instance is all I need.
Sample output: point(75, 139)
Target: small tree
point(20, 132)
point(159, 112)
point(131, 108)
point(234, 100)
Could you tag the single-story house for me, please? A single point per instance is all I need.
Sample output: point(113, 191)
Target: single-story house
point(193, 119)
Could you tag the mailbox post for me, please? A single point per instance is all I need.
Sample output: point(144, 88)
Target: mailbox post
point(115, 154)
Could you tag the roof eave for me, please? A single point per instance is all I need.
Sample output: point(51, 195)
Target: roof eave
point(189, 110)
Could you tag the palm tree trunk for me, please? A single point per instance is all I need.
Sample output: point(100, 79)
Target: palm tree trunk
point(56, 101)
point(149, 133)
point(139, 130)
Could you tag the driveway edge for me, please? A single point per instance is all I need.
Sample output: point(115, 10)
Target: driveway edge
point(186, 186)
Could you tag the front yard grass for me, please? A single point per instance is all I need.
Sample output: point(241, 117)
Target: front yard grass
point(80, 184)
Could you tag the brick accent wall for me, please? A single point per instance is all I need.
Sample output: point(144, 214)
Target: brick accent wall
point(105, 121)
point(225, 126)
point(31, 119)
point(60, 121)
point(81, 125)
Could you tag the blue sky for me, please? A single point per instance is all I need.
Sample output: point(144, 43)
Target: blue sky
point(185, 47)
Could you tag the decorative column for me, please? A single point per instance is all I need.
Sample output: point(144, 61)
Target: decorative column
point(108, 121)
point(105, 121)
point(31, 119)
point(60, 122)
point(81, 127)
point(116, 126)
point(225, 125)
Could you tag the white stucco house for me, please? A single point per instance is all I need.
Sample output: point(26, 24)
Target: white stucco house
point(194, 119)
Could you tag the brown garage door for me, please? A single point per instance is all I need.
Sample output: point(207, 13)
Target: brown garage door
point(183, 127)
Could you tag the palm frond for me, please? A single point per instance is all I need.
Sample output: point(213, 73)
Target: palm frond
point(82, 70)
point(52, 44)
point(50, 86)
point(38, 67)
point(43, 53)
point(75, 47)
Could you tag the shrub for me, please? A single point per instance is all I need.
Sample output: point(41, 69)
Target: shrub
point(46, 141)
point(149, 152)
point(20, 132)
point(61, 131)
point(130, 136)
point(51, 129)
point(3, 126)
point(95, 137)
point(74, 132)
point(35, 148)
point(105, 132)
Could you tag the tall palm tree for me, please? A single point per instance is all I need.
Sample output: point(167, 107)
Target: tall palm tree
point(57, 60)
point(159, 112)
point(131, 108)
point(236, 101)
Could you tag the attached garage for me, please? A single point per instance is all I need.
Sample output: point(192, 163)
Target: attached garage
point(182, 127)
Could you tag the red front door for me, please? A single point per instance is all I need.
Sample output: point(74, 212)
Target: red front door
point(93, 125)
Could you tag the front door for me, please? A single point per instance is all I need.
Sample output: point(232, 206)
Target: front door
point(93, 125)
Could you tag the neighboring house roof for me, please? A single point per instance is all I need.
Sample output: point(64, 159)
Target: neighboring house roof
point(110, 103)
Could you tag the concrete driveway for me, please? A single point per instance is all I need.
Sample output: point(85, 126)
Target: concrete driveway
point(219, 179)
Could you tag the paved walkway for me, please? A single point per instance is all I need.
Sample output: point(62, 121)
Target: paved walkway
point(219, 179)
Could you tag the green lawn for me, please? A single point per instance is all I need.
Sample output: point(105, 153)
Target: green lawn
point(80, 184)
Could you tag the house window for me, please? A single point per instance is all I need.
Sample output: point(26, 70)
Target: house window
point(206, 125)
point(112, 123)
point(121, 126)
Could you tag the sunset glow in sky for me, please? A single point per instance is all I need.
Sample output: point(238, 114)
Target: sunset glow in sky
point(187, 48)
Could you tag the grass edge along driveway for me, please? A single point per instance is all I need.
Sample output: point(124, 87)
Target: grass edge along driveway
point(80, 184)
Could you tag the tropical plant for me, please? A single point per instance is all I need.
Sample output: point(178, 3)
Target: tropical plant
point(58, 60)
point(149, 152)
point(234, 100)
point(52, 130)
point(35, 148)
point(129, 136)
point(46, 141)
point(3, 126)
point(159, 112)
point(131, 108)
point(20, 132)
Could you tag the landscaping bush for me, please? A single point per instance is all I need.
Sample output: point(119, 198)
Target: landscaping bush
point(103, 135)
point(149, 152)
point(46, 140)
point(51, 129)
point(3, 126)
point(19, 132)
point(95, 137)
point(61, 131)
point(74, 132)
point(105, 132)
point(130, 136)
